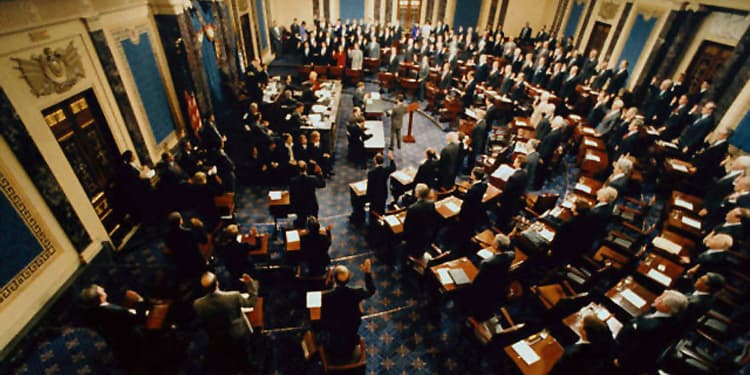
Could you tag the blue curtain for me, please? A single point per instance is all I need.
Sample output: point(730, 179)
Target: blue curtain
point(637, 39)
point(150, 87)
point(575, 16)
point(208, 56)
point(18, 247)
point(352, 9)
point(741, 137)
point(467, 13)
point(262, 25)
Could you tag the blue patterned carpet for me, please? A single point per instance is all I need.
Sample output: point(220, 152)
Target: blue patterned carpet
point(405, 330)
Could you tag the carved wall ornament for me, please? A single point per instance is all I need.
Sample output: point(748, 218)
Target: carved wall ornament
point(608, 9)
point(55, 71)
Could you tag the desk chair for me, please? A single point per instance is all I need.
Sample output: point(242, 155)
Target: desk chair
point(387, 81)
point(335, 72)
point(483, 331)
point(551, 295)
point(225, 206)
point(703, 355)
point(355, 365)
point(353, 76)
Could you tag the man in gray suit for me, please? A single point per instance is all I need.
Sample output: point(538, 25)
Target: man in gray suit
point(397, 120)
point(424, 73)
point(225, 324)
point(373, 49)
point(355, 56)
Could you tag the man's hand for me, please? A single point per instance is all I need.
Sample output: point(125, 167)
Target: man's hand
point(390, 154)
point(246, 279)
point(366, 267)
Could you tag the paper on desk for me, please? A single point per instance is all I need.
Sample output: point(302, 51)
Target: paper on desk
point(292, 236)
point(666, 245)
point(239, 238)
point(588, 130)
point(484, 253)
point(602, 313)
point(691, 222)
point(614, 326)
point(274, 195)
point(452, 207)
point(521, 123)
point(589, 143)
point(584, 188)
point(317, 108)
point(684, 204)
point(567, 204)
point(633, 298)
point(679, 167)
point(375, 95)
point(547, 234)
point(361, 186)
point(149, 173)
point(525, 351)
point(593, 157)
point(503, 172)
point(392, 220)
point(314, 299)
point(659, 277)
point(314, 117)
point(400, 176)
point(445, 276)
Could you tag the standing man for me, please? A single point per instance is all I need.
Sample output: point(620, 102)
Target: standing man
point(276, 39)
point(377, 182)
point(397, 120)
point(225, 324)
point(424, 73)
point(448, 161)
point(302, 193)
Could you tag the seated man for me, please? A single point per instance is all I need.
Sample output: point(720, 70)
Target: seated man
point(227, 327)
point(341, 312)
point(703, 296)
point(592, 354)
point(714, 259)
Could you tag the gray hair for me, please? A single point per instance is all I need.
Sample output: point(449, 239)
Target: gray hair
point(501, 241)
point(422, 191)
point(675, 301)
point(607, 193)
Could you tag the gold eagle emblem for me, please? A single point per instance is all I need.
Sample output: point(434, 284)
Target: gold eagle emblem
point(55, 71)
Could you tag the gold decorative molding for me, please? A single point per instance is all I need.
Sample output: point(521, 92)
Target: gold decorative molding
point(48, 249)
point(608, 9)
point(55, 71)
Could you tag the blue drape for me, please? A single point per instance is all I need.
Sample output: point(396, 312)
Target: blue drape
point(208, 56)
point(575, 16)
point(467, 13)
point(352, 9)
point(262, 25)
point(637, 39)
point(741, 137)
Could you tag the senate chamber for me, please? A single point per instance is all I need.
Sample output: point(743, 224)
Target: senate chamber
point(375, 187)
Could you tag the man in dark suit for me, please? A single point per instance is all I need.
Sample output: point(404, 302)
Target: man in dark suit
point(427, 173)
point(703, 296)
point(421, 222)
point(445, 78)
point(707, 160)
point(323, 57)
point(574, 236)
point(619, 78)
point(657, 108)
point(702, 94)
point(302, 193)
point(603, 74)
point(552, 140)
point(377, 182)
point(472, 212)
point(510, 200)
point(182, 243)
point(601, 212)
point(525, 34)
point(357, 137)
point(393, 61)
point(226, 325)
point(589, 65)
point(592, 354)
point(171, 181)
point(698, 129)
point(642, 340)
point(714, 259)
point(468, 93)
point(620, 176)
point(358, 99)
point(533, 162)
point(341, 314)
point(490, 287)
point(449, 161)
point(676, 120)
point(568, 88)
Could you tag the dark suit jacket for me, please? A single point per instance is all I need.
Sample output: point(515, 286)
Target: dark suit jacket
point(489, 288)
point(642, 340)
point(183, 242)
point(427, 173)
point(221, 317)
point(620, 184)
point(377, 186)
point(675, 123)
point(568, 88)
point(445, 81)
point(302, 193)
point(596, 115)
point(340, 314)
point(617, 81)
point(448, 165)
point(472, 211)
point(694, 133)
point(116, 323)
point(549, 144)
point(420, 226)
point(510, 199)
point(707, 159)
point(584, 359)
point(608, 123)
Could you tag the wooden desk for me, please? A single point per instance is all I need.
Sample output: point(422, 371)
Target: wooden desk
point(605, 253)
point(374, 108)
point(255, 316)
point(660, 269)
point(485, 238)
point(593, 142)
point(684, 201)
point(688, 245)
point(594, 161)
point(376, 143)
point(358, 188)
point(629, 288)
point(574, 321)
point(587, 186)
point(157, 315)
point(262, 250)
point(463, 263)
point(683, 222)
point(678, 167)
point(518, 260)
point(547, 349)
point(293, 239)
point(281, 200)
point(491, 193)
point(448, 207)
point(402, 181)
point(315, 309)
point(500, 176)
point(395, 222)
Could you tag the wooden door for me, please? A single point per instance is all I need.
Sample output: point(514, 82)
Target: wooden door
point(247, 38)
point(598, 37)
point(707, 59)
point(408, 13)
point(85, 139)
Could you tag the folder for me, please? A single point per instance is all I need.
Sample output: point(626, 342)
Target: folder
point(666, 245)
point(684, 204)
point(459, 276)
point(314, 299)
point(525, 351)
point(633, 298)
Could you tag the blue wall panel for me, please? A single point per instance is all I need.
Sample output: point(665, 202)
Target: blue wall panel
point(142, 63)
point(637, 39)
point(262, 24)
point(352, 9)
point(467, 13)
point(573, 19)
point(18, 247)
point(741, 137)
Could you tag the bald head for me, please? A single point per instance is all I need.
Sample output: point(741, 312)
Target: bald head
point(209, 281)
point(341, 274)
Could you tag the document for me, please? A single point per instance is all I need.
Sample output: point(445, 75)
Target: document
point(588, 130)
point(666, 245)
point(589, 143)
point(584, 188)
point(547, 234)
point(503, 172)
point(485, 254)
point(452, 206)
point(401, 177)
point(684, 204)
point(274, 195)
point(691, 222)
point(525, 352)
point(614, 326)
point(292, 236)
point(360, 186)
point(659, 277)
point(317, 108)
point(593, 157)
point(392, 220)
point(679, 167)
point(633, 298)
point(314, 299)
point(314, 117)
point(444, 276)
point(375, 95)
point(459, 276)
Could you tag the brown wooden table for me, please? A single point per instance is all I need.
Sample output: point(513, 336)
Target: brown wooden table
point(574, 321)
point(619, 294)
point(684, 201)
point(262, 250)
point(679, 167)
point(463, 263)
point(686, 246)
point(358, 188)
point(395, 222)
point(546, 348)
point(660, 269)
point(594, 162)
point(685, 223)
point(255, 316)
point(448, 207)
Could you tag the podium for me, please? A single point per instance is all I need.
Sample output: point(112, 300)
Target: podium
point(409, 138)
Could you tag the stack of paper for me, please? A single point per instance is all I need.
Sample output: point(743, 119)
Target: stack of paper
point(444, 276)
point(317, 108)
point(679, 167)
point(401, 176)
point(452, 207)
point(659, 277)
point(684, 204)
point(593, 157)
point(503, 172)
point(614, 326)
point(314, 299)
point(392, 220)
point(666, 245)
point(588, 130)
point(527, 354)
point(547, 234)
point(584, 188)
point(274, 195)
point(485, 254)
point(459, 276)
point(292, 236)
point(375, 95)
point(633, 298)
point(691, 222)
point(361, 186)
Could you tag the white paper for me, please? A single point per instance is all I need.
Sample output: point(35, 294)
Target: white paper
point(633, 298)
point(503, 172)
point(679, 167)
point(666, 245)
point(484, 253)
point(314, 117)
point(659, 277)
point(593, 157)
point(317, 108)
point(445, 277)
point(547, 234)
point(584, 188)
point(525, 352)
point(614, 326)
point(684, 204)
point(521, 123)
point(314, 299)
point(589, 143)
point(361, 186)
point(375, 95)
point(452, 207)
point(392, 220)
point(292, 236)
point(274, 195)
point(149, 174)
point(691, 222)
point(602, 313)
point(239, 238)
point(400, 176)
point(589, 130)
